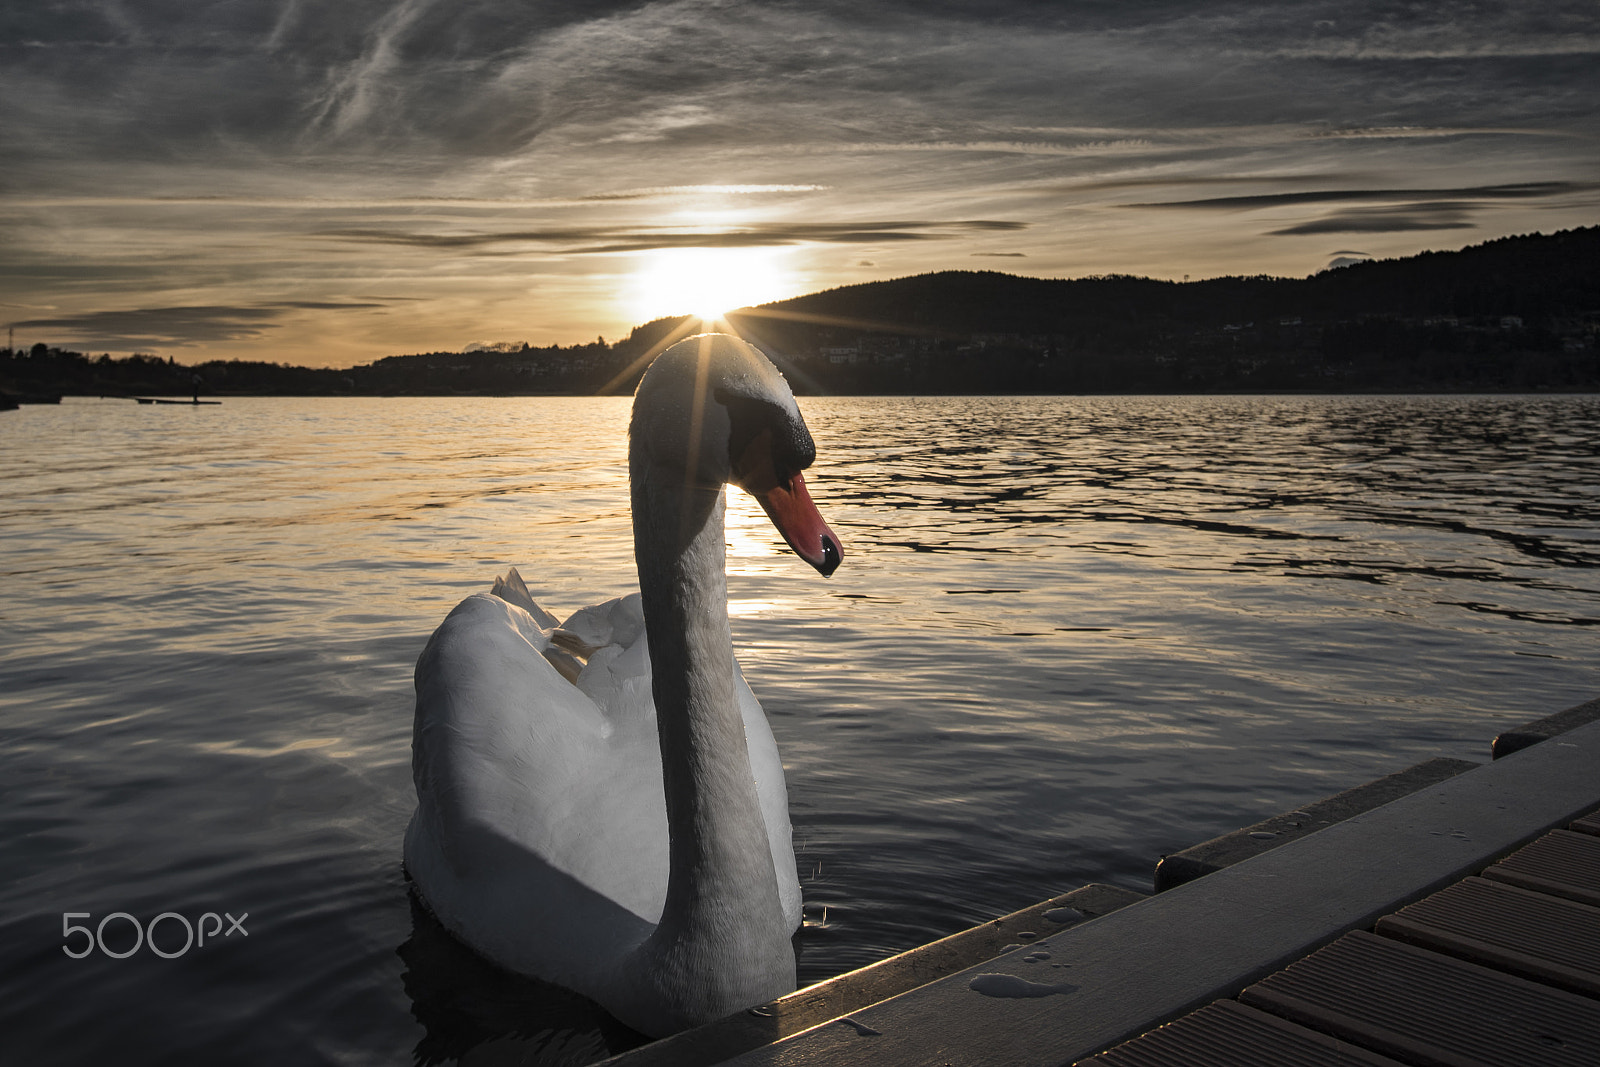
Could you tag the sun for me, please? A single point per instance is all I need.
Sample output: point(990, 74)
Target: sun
point(707, 282)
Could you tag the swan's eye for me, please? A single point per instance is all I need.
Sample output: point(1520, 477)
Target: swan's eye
point(752, 468)
point(791, 448)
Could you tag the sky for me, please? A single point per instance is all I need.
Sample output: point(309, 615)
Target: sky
point(329, 183)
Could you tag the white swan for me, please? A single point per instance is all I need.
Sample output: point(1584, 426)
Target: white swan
point(627, 835)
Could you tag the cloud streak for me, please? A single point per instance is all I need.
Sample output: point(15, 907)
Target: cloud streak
point(1442, 215)
point(1408, 210)
point(180, 327)
point(1518, 191)
point(592, 240)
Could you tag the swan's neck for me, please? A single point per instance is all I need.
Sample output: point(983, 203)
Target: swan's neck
point(722, 922)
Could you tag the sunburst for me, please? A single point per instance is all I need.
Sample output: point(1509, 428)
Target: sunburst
point(707, 282)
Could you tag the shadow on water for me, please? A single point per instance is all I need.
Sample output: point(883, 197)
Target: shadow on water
point(473, 1012)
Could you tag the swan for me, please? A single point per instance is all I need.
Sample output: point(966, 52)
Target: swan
point(608, 812)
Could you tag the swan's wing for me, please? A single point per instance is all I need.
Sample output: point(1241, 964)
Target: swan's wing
point(497, 729)
point(617, 622)
point(512, 760)
point(617, 676)
point(513, 590)
point(617, 679)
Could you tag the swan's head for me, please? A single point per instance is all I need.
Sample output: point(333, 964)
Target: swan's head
point(713, 410)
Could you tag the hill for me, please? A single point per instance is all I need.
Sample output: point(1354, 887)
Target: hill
point(1519, 312)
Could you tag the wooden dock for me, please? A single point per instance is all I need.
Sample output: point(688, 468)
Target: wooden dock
point(1483, 972)
point(1446, 915)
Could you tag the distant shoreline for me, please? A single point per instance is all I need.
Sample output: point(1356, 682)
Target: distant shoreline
point(1515, 315)
point(176, 399)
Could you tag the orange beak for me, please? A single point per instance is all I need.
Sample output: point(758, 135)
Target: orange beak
point(796, 517)
point(788, 506)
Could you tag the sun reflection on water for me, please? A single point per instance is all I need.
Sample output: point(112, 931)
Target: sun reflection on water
point(750, 534)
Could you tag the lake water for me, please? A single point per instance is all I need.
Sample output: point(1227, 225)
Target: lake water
point(1069, 634)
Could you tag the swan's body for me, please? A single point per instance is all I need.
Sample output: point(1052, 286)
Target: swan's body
point(627, 835)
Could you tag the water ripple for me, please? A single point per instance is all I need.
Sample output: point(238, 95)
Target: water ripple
point(1070, 634)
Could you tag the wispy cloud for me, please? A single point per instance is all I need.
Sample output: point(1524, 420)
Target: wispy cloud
point(1192, 180)
point(1390, 133)
point(355, 90)
point(701, 190)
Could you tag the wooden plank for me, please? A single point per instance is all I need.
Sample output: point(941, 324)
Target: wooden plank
point(1589, 824)
point(1113, 978)
point(1540, 937)
point(1229, 1034)
point(1426, 1008)
point(1561, 863)
point(837, 997)
point(1528, 734)
point(1202, 859)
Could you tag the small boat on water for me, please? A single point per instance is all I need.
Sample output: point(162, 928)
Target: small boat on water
point(186, 403)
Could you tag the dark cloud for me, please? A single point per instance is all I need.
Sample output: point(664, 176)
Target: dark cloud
point(74, 275)
point(1516, 191)
point(1003, 255)
point(469, 240)
point(323, 305)
point(146, 80)
point(162, 327)
point(1441, 215)
point(595, 239)
point(162, 80)
point(1407, 210)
